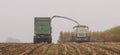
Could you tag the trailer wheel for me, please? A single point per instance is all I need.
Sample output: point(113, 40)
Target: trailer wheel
point(35, 40)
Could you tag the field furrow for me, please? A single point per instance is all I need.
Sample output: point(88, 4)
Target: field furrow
point(71, 48)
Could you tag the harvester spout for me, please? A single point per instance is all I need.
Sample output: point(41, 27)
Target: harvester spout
point(55, 16)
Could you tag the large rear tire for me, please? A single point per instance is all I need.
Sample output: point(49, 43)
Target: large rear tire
point(35, 40)
point(49, 41)
point(39, 39)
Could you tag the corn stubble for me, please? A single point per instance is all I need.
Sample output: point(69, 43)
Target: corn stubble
point(89, 48)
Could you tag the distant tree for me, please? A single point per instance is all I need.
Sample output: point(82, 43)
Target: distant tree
point(12, 40)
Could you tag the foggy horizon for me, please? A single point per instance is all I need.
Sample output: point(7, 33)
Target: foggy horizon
point(17, 16)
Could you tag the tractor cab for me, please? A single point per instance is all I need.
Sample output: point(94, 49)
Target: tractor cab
point(80, 33)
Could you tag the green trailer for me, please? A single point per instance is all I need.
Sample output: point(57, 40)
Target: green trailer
point(42, 30)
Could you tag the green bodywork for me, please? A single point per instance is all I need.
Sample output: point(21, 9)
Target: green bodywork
point(42, 28)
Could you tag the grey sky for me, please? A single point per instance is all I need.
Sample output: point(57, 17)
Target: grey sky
point(17, 16)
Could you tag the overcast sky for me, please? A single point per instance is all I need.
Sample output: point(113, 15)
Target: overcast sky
point(17, 16)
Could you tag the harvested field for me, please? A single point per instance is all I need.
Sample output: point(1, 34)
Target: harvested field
point(89, 48)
